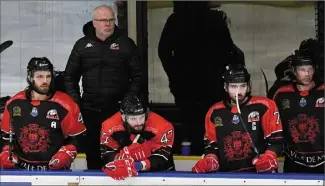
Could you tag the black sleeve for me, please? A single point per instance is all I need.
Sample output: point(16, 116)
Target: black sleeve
point(159, 159)
point(107, 154)
point(167, 43)
point(73, 74)
point(211, 148)
point(110, 146)
point(74, 140)
point(136, 70)
point(275, 143)
point(5, 139)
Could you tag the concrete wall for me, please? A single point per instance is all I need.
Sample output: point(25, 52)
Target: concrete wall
point(266, 35)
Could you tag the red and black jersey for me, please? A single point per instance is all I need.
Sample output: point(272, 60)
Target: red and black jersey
point(302, 115)
point(227, 138)
point(40, 128)
point(157, 130)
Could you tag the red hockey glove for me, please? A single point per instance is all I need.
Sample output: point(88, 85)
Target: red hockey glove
point(138, 152)
point(267, 162)
point(5, 163)
point(208, 164)
point(63, 158)
point(120, 169)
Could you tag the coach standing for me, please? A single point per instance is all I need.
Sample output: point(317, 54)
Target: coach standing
point(110, 68)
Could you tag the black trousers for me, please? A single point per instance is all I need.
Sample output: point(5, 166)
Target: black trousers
point(91, 142)
point(292, 167)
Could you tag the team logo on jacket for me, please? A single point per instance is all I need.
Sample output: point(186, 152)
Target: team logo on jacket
point(237, 146)
point(320, 102)
point(34, 138)
point(285, 104)
point(115, 46)
point(304, 128)
point(254, 116)
point(52, 114)
point(34, 112)
point(16, 111)
point(235, 119)
point(303, 102)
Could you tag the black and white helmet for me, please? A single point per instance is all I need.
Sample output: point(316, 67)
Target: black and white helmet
point(236, 73)
point(132, 105)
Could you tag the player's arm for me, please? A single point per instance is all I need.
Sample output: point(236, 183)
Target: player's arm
point(5, 127)
point(73, 73)
point(136, 68)
point(109, 147)
point(272, 127)
point(162, 151)
point(72, 127)
point(5, 161)
point(210, 137)
point(210, 160)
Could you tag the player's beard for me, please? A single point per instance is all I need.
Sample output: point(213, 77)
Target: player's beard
point(136, 129)
point(43, 89)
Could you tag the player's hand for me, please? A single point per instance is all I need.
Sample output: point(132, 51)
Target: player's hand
point(5, 162)
point(209, 163)
point(63, 158)
point(138, 152)
point(120, 169)
point(267, 162)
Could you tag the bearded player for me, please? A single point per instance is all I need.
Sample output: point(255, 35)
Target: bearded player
point(136, 140)
point(243, 132)
point(40, 125)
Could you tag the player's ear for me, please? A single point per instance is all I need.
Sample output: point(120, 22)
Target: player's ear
point(123, 117)
point(225, 87)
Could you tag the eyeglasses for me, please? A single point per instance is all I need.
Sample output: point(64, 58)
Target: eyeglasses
point(105, 20)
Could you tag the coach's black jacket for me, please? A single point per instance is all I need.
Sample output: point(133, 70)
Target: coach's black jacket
point(110, 69)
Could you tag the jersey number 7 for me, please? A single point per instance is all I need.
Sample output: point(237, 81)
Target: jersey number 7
point(277, 114)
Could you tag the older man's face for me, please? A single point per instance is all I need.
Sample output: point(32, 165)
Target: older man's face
point(104, 21)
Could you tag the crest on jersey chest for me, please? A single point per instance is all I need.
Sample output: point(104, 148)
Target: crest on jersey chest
point(53, 114)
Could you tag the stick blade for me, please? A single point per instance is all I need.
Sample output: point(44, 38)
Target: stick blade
point(5, 45)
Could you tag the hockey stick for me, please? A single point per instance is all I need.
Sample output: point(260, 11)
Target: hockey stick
point(136, 139)
point(266, 83)
point(243, 124)
point(5, 45)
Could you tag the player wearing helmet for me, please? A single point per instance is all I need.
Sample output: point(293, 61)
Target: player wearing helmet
point(40, 124)
point(301, 106)
point(136, 139)
point(242, 132)
point(284, 76)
